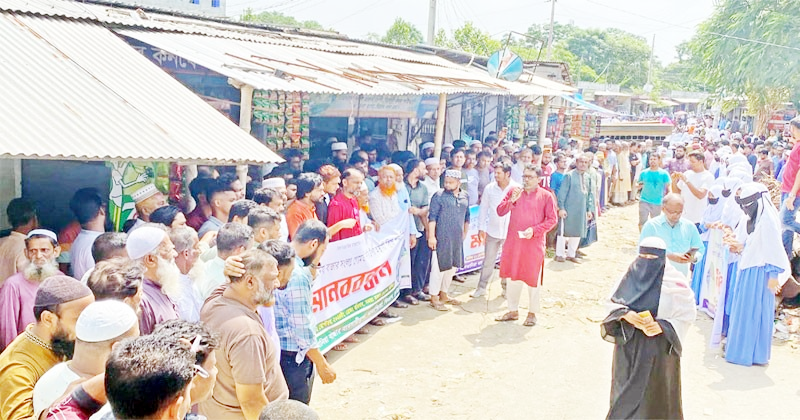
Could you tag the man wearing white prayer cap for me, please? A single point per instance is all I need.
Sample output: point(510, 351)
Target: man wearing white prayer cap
point(431, 181)
point(339, 154)
point(152, 247)
point(147, 199)
point(18, 293)
point(476, 146)
point(427, 150)
point(100, 326)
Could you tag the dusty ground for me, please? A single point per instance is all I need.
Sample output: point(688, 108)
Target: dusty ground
point(464, 365)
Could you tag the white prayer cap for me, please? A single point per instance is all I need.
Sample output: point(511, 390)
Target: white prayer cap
point(335, 147)
point(427, 145)
point(432, 161)
point(44, 232)
point(452, 173)
point(474, 142)
point(448, 146)
point(143, 241)
point(548, 142)
point(144, 193)
point(104, 320)
point(276, 183)
point(653, 242)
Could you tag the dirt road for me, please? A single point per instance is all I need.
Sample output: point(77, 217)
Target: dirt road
point(464, 365)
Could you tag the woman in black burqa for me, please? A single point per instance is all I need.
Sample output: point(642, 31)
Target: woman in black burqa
point(646, 373)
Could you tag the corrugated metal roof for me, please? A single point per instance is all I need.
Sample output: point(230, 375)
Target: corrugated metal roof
point(278, 67)
point(71, 89)
point(332, 55)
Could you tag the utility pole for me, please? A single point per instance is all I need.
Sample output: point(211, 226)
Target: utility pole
point(432, 22)
point(552, 27)
point(546, 99)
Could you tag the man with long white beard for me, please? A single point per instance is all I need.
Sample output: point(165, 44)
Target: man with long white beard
point(19, 291)
point(151, 246)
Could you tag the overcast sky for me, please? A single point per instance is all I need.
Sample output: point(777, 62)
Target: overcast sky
point(671, 21)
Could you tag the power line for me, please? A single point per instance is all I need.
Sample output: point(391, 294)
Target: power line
point(359, 11)
point(755, 41)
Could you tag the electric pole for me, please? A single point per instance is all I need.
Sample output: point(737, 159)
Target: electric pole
point(546, 99)
point(432, 22)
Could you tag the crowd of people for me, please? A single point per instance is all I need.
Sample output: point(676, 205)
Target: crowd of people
point(717, 235)
point(208, 306)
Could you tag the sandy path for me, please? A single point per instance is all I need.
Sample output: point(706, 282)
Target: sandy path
point(464, 365)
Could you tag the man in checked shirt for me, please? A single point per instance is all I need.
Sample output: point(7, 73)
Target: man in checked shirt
point(294, 317)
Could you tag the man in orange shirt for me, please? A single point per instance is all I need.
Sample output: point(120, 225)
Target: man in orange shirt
point(309, 192)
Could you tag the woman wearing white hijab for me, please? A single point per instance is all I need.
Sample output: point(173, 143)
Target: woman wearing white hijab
point(650, 312)
point(762, 270)
point(711, 216)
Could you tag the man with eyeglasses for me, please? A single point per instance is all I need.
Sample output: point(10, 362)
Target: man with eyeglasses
point(684, 245)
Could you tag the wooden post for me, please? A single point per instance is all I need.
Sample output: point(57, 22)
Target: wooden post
point(438, 139)
point(245, 123)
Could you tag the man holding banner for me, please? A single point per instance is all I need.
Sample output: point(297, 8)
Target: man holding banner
point(294, 318)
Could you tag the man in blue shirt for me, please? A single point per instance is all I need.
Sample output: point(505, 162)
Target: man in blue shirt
point(683, 241)
point(653, 182)
point(294, 317)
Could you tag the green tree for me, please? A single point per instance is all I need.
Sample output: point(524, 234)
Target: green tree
point(682, 74)
point(402, 33)
point(602, 55)
point(748, 48)
point(276, 18)
point(468, 38)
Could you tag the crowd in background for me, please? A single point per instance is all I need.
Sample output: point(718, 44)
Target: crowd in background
point(219, 290)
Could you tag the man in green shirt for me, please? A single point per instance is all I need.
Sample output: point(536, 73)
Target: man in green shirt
point(653, 182)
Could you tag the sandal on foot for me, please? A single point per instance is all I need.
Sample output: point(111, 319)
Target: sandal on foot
point(439, 306)
point(398, 304)
point(411, 300)
point(351, 339)
point(508, 316)
point(387, 314)
point(377, 322)
point(363, 330)
point(530, 321)
point(340, 347)
point(452, 302)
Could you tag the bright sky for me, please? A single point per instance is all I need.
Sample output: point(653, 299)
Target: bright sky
point(670, 21)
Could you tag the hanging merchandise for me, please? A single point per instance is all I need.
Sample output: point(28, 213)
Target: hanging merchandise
point(584, 126)
point(285, 117)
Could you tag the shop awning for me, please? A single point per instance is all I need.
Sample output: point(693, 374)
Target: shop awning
point(688, 100)
point(610, 93)
point(666, 102)
point(295, 69)
point(647, 101)
point(590, 106)
point(73, 90)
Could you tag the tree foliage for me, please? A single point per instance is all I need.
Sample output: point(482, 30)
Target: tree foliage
point(276, 18)
point(468, 38)
point(741, 51)
point(403, 33)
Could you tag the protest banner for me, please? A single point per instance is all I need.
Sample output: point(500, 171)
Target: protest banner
point(473, 245)
point(715, 274)
point(358, 279)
